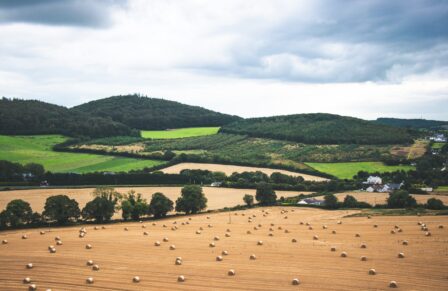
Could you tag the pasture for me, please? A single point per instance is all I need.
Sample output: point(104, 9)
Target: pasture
point(289, 250)
point(38, 149)
point(179, 132)
point(348, 170)
point(229, 169)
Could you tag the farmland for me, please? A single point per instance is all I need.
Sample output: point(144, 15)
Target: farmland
point(38, 149)
point(348, 170)
point(121, 255)
point(179, 132)
point(229, 169)
point(217, 197)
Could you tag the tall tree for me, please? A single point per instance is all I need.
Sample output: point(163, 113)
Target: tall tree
point(160, 205)
point(61, 208)
point(265, 195)
point(192, 200)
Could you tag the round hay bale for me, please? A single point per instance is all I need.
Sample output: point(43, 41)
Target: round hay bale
point(96, 228)
point(42, 232)
point(52, 250)
point(428, 234)
point(157, 243)
point(375, 225)
point(59, 243)
point(174, 222)
point(81, 235)
point(286, 231)
point(198, 232)
point(344, 254)
point(357, 235)
point(88, 246)
point(178, 262)
point(24, 236)
point(363, 258)
point(154, 224)
point(333, 249)
point(419, 223)
point(89, 280)
point(165, 239)
point(29, 265)
point(89, 263)
point(228, 230)
point(219, 258)
point(253, 257)
point(400, 230)
point(324, 227)
point(393, 284)
point(208, 217)
point(310, 228)
point(339, 222)
point(136, 279)
point(103, 227)
point(32, 287)
point(307, 223)
point(259, 225)
point(164, 226)
point(95, 267)
point(405, 243)
point(189, 218)
point(286, 217)
point(27, 280)
point(272, 224)
point(315, 237)
point(200, 228)
point(216, 238)
point(392, 231)
point(231, 272)
point(271, 229)
point(400, 255)
point(294, 240)
point(210, 226)
point(295, 281)
point(440, 226)
point(248, 232)
point(181, 278)
point(301, 223)
point(212, 245)
point(363, 246)
point(225, 253)
point(255, 228)
point(396, 226)
point(372, 272)
point(145, 233)
point(172, 247)
point(143, 226)
point(271, 234)
point(56, 238)
point(227, 234)
point(333, 232)
point(260, 243)
point(4, 242)
point(369, 217)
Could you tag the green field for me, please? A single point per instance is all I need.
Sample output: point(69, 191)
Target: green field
point(438, 145)
point(348, 170)
point(179, 132)
point(38, 149)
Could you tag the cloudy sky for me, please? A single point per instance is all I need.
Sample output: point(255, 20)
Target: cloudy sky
point(248, 57)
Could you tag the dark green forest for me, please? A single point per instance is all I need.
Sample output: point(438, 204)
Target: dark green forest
point(413, 123)
point(320, 128)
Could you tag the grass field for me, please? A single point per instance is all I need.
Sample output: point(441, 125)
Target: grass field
point(179, 132)
point(121, 254)
point(38, 149)
point(438, 145)
point(348, 170)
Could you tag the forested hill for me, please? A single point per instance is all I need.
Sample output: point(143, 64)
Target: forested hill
point(413, 123)
point(153, 113)
point(36, 117)
point(319, 128)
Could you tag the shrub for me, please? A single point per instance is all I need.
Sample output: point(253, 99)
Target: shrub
point(435, 204)
point(265, 195)
point(401, 199)
point(192, 200)
point(160, 205)
point(249, 200)
point(61, 208)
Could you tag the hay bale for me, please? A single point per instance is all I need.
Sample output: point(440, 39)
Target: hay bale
point(56, 238)
point(357, 235)
point(143, 226)
point(271, 229)
point(363, 258)
point(157, 243)
point(339, 222)
point(228, 230)
point(295, 281)
point(154, 224)
point(103, 227)
point(255, 228)
point(392, 231)
point(252, 257)
point(248, 232)
point(272, 224)
point(32, 287)
point(400, 230)
point(333, 232)
point(4, 242)
point(393, 284)
point(164, 226)
point(210, 226)
point(396, 226)
point(95, 267)
point(400, 255)
point(225, 253)
point(227, 234)
point(42, 232)
point(260, 225)
point(216, 238)
point(369, 217)
point(231, 272)
point(310, 228)
point(428, 234)
point(344, 254)
point(27, 280)
point(52, 250)
point(29, 265)
point(200, 228)
point(260, 243)
point(307, 223)
point(333, 249)
point(178, 262)
point(301, 223)
point(88, 246)
point(59, 243)
point(419, 223)
point(89, 263)
point(440, 226)
point(286, 217)
point(372, 272)
point(145, 233)
point(286, 231)
point(172, 247)
point(136, 279)
point(181, 278)
point(294, 240)
point(96, 228)
point(89, 280)
point(324, 227)
point(405, 243)
point(198, 232)
point(24, 236)
point(81, 235)
point(375, 225)
point(315, 237)
point(363, 246)
point(212, 245)
point(219, 258)
point(165, 239)
point(271, 234)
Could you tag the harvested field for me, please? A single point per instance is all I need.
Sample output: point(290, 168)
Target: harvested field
point(229, 169)
point(217, 197)
point(128, 260)
point(380, 198)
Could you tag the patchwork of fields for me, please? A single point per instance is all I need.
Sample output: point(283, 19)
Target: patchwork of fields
point(179, 132)
point(348, 170)
point(121, 255)
point(38, 149)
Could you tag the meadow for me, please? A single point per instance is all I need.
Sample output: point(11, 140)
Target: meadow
point(438, 145)
point(38, 149)
point(289, 250)
point(348, 170)
point(179, 132)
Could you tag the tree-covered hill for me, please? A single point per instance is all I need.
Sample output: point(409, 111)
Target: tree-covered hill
point(413, 123)
point(320, 128)
point(153, 113)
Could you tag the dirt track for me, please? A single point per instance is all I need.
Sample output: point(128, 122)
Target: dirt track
point(229, 169)
point(121, 254)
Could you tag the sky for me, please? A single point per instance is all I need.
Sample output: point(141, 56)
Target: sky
point(251, 58)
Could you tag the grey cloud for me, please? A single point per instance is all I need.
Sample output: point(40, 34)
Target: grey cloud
point(82, 13)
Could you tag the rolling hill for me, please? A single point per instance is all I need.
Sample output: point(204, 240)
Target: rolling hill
point(413, 123)
point(320, 128)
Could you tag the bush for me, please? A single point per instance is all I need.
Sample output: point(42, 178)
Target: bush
point(61, 209)
point(265, 195)
point(133, 206)
point(17, 213)
point(401, 199)
point(249, 200)
point(100, 209)
point(160, 205)
point(435, 204)
point(331, 202)
point(192, 200)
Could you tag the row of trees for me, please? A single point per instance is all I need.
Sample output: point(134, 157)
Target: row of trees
point(62, 210)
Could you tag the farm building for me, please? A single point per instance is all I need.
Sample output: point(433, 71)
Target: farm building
point(389, 187)
point(373, 180)
point(311, 201)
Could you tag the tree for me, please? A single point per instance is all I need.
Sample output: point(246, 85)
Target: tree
point(133, 206)
point(17, 212)
point(160, 205)
point(108, 193)
point(350, 202)
point(192, 200)
point(331, 202)
point(401, 199)
point(435, 204)
point(35, 169)
point(61, 208)
point(265, 195)
point(249, 200)
point(100, 209)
